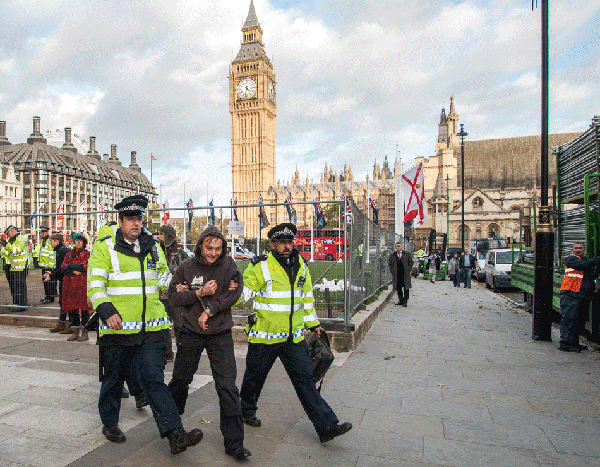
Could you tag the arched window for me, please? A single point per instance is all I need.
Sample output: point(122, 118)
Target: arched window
point(478, 203)
point(493, 231)
point(464, 232)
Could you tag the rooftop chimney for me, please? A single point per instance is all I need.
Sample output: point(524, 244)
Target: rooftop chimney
point(113, 155)
point(36, 136)
point(67, 145)
point(133, 164)
point(92, 151)
point(105, 158)
point(3, 140)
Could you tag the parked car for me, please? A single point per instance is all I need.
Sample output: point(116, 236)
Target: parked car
point(498, 265)
point(241, 252)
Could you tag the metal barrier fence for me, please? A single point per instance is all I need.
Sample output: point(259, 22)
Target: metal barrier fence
point(343, 280)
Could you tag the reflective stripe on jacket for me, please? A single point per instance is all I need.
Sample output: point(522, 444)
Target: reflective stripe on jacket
point(572, 280)
point(47, 257)
point(269, 285)
point(16, 253)
point(117, 278)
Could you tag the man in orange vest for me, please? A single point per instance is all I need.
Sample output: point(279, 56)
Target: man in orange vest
point(576, 293)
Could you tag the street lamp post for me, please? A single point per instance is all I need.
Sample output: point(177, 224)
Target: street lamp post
point(448, 206)
point(462, 135)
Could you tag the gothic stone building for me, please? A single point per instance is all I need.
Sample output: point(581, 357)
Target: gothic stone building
point(53, 175)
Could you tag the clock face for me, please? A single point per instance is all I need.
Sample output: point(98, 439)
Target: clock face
point(246, 88)
point(271, 91)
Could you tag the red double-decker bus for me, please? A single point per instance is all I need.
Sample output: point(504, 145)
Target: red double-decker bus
point(328, 245)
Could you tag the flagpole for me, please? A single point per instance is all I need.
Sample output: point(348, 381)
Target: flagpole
point(37, 202)
point(312, 238)
point(368, 226)
point(151, 159)
point(184, 226)
point(258, 234)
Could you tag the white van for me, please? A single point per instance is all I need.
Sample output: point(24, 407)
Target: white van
point(498, 264)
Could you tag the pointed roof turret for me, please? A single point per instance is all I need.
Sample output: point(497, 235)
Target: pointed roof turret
point(251, 19)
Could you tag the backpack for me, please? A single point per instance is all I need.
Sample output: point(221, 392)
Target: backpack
point(321, 355)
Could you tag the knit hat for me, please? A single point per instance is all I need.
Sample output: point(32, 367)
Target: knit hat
point(170, 234)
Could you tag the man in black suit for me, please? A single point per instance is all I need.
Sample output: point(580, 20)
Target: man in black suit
point(400, 264)
point(467, 263)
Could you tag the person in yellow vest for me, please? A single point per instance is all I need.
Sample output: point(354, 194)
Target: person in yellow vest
point(576, 293)
point(283, 306)
point(123, 288)
point(47, 261)
point(36, 255)
point(16, 254)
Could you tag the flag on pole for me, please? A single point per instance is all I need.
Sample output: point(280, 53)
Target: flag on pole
point(413, 190)
point(320, 216)
point(153, 158)
point(347, 209)
point(235, 217)
point(290, 209)
point(83, 217)
point(375, 211)
point(35, 213)
point(100, 216)
point(264, 222)
point(166, 214)
point(190, 205)
point(212, 213)
point(58, 221)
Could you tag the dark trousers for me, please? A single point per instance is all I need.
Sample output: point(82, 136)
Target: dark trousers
point(299, 367)
point(17, 281)
point(575, 312)
point(50, 286)
point(79, 317)
point(466, 273)
point(219, 349)
point(149, 362)
point(403, 292)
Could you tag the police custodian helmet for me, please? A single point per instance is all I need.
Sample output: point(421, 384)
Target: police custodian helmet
point(134, 205)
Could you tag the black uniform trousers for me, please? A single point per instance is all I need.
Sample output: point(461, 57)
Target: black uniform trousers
point(17, 281)
point(50, 286)
point(219, 348)
point(403, 292)
point(149, 363)
point(299, 367)
point(575, 312)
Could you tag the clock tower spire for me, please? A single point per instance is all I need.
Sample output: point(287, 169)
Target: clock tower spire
point(252, 105)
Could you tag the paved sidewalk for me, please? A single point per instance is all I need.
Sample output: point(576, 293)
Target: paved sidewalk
point(452, 380)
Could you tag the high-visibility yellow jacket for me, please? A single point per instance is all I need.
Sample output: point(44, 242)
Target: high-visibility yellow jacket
point(36, 250)
point(281, 310)
point(16, 253)
point(47, 258)
point(128, 285)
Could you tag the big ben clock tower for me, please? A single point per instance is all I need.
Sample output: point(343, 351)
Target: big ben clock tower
point(252, 104)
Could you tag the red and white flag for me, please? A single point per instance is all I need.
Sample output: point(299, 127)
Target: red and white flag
point(58, 221)
point(413, 191)
point(166, 214)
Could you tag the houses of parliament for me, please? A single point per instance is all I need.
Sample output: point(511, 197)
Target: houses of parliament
point(502, 176)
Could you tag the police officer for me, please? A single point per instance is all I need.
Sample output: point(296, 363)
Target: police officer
point(47, 261)
point(576, 293)
point(16, 254)
point(123, 288)
point(281, 287)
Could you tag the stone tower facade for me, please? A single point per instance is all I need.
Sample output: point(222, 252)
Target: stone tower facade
point(253, 108)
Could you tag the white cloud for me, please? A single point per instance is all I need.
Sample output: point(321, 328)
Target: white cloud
point(7, 66)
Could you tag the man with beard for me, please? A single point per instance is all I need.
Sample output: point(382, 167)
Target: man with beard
point(283, 306)
point(202, 297)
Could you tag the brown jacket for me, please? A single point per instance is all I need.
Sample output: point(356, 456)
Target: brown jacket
point(407, 262)
point(196, 272)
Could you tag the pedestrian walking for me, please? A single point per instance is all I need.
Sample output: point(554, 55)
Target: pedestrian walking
point(201, 295)
point(74, 292)
point(123, 288)
point(400, 264)
point(453, 270)
point(47, 261)
point(16, 253)
point(283, 308)
point(59, 252)
point(175, 255)
point(434, 265)
point(576, 293)
point(466, 264)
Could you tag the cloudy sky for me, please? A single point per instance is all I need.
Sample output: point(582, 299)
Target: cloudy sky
point(356, 79)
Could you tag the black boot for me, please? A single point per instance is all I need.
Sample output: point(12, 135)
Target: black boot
point(113, 433)
point(335, 430)
point(180, 440)
point(238, 453)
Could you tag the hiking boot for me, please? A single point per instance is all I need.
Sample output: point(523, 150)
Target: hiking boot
point(335, 430)
point(180, 440)
point(238, 453)
point(84, 336)
point(67, 329)
point(252, 421)
point(113, 433)
point(75, 335)
point(60, 326)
